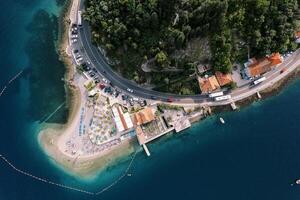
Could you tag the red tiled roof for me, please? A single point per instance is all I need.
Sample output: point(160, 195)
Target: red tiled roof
point(223, 79)
point(208, 84)
point(264, 65)
point(144, 116)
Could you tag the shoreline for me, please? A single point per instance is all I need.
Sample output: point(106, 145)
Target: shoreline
point(87, 168)
point(267, 93)
point(49, 134)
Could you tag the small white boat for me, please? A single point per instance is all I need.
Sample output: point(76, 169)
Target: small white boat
point(222, 120)
point(129, 174)
point(297, 182)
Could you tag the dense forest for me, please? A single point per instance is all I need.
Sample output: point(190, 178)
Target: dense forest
point(136, 31)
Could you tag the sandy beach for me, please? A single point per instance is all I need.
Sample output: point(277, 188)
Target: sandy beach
point(52, 136)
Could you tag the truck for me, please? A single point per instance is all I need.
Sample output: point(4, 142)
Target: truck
point(258, 81)
point(79, 19)
point(216, 94)
point(223, 98)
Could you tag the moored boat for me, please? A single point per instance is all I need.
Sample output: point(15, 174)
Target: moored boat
point(222, 120)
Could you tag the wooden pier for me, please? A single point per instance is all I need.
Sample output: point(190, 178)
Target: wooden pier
point(146, 150)
point(258, 95)
point(233, 106)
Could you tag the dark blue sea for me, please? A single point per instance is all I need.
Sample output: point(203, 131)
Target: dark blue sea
point(255, 156)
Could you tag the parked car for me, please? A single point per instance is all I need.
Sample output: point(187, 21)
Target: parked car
point(74, 26)
point(131, 102)
point(124, 97)
point(74, 32)
point(101, 86)
point(85, 67)
point(136, 99)
point(107, 89)
point(74, 41)
point(104, 80)
point(92, 74)
point(116, 93)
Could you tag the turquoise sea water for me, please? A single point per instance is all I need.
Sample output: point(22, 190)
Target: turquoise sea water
point(254, 156)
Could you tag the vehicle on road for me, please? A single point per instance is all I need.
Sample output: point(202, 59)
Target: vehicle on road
point(258, 81)
point(74, 41)
point(153, 97)
point(79, 18)
point(283, 70)
point(74, 36)
point(223, 98)
point(216, 94)
point(170, 99)
point(130, 90)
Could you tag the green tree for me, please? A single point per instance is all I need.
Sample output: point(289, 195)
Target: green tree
point(161, 59)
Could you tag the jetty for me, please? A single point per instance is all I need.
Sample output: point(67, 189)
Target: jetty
point(146, 150)
point(233, 106)
point(258, 95)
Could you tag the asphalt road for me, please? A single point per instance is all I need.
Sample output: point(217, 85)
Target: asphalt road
point(91, 53)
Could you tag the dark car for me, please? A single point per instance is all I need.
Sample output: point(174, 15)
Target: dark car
point(74, 32)
point(153, 97)
point(107, 89)
point(92, 74)
point(124, 97)
point(116, 93)
point(131, 102)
